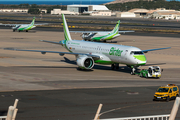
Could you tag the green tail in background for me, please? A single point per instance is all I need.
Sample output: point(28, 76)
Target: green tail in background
point(116, 28)
point(33, 21)
point(67, 35)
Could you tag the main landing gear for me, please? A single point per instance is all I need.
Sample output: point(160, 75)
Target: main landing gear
point(115, 66)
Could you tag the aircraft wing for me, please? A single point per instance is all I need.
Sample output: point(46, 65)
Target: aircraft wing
point(22, 24)
point(88, 31)
point(60, 53)
point(145, 51)
point(51, 42)
point(13, 24)
point(42, 24)
point(98, 31)
point(126, 31)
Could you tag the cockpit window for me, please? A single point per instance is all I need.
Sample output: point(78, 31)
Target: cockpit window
point(137, 52)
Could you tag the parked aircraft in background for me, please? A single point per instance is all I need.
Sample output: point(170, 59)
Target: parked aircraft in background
point(23, 27)
point(101, 35)
point(87, 53)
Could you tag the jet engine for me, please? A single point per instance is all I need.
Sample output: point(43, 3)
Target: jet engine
point(85, 62)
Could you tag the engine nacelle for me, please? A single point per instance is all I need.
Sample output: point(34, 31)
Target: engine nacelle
point(85, 62)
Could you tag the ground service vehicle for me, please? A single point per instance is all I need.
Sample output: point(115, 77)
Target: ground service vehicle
point(152, 71)
point(171, 91)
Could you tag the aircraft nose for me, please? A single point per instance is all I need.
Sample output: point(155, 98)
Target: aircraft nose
point(141, 59)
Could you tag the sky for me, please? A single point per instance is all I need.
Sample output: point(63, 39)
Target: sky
point(63, 0)
point(55, 0)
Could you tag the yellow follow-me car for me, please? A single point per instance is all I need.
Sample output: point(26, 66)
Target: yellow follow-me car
point(171, 91)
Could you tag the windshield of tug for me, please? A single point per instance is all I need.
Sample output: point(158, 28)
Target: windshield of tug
point(156, 69)
point(163, 89)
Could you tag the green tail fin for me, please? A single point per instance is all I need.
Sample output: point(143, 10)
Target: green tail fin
point(33, 21)
point(116, 28)
point(67, 35)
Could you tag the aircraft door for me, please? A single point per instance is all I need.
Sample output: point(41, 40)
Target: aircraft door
point(126, 54)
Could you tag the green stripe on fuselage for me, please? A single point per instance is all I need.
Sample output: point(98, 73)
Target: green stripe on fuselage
point(104, 62)
point(97, 38)
point(26, 28)
point(140, 57)
point(109, 37)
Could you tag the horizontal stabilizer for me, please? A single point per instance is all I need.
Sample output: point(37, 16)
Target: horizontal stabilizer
point(126, 31)
point(99, 31)
point(42, 24)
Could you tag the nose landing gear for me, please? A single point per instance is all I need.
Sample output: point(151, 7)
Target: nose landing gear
point(132, 69)
point(132, 72)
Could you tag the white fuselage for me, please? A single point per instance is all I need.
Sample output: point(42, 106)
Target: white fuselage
point(23, 27)
point(107, 52)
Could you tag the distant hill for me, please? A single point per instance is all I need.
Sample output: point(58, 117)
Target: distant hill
point(143, 4)
point(123, 1)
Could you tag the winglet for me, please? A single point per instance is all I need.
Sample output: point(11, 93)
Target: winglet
point(67, 35)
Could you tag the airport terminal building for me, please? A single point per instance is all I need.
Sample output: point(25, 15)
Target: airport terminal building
point(83, 8)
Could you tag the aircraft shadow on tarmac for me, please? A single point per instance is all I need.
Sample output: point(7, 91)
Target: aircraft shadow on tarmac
point(99, 67)
point(123, 69)
point(155, 64)
point(30, 31)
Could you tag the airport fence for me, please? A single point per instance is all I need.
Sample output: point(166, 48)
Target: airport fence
point(3, 117)
point(170, 116)
point(154, 117)
point(12, 112)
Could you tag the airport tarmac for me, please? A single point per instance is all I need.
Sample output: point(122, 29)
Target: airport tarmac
point(50, 86)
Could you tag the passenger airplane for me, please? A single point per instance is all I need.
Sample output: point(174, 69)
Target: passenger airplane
point(101, 35)
point(87, 53)
point(23, 27)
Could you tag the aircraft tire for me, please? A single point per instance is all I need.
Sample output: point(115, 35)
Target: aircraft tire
point(132, 73)
point(112, 66)
point(26, 30)
point(141, 75)
point(117, 66)
point(13, 30)
point(146, 76)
